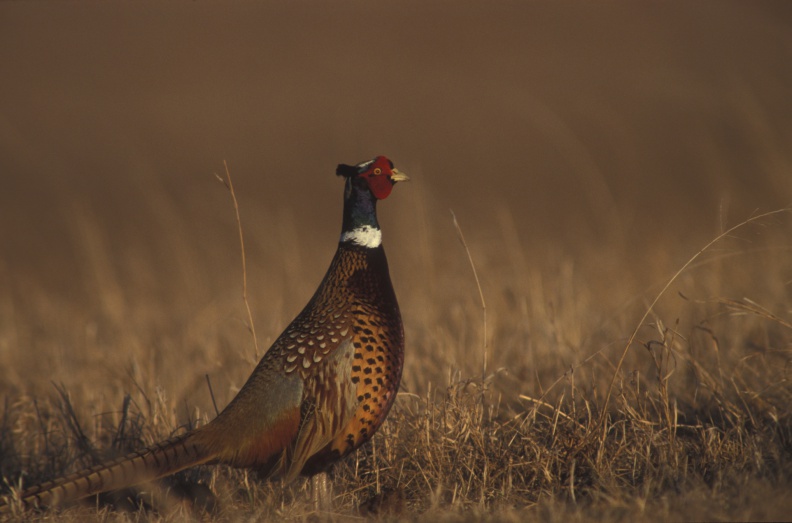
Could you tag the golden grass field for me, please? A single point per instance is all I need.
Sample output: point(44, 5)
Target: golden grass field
point(588, 153)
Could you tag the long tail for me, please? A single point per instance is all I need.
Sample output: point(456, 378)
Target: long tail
point(166, 457)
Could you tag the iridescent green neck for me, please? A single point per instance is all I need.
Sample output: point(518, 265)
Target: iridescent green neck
point(360, 225)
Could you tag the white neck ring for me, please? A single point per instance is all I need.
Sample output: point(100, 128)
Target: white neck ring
point(365, 236)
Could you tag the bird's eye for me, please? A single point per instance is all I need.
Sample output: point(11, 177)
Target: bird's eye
point(377, 171)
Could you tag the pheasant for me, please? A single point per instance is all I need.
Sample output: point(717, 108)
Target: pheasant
point(322, 389)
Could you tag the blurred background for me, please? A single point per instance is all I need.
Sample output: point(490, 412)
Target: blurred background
point(587, 150)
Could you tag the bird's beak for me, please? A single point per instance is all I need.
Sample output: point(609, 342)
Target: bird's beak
point(397, 176)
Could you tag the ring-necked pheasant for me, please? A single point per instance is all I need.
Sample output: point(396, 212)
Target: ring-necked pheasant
point(321, 390)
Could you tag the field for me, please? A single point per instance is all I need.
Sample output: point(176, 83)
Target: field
point(612, 339)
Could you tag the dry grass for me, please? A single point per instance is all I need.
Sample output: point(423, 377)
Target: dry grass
point(588, 153)
point(698, 425)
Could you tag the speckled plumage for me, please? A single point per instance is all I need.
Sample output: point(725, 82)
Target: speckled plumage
point(322, 389)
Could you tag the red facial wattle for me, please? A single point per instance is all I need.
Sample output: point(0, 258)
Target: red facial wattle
point(378, 177)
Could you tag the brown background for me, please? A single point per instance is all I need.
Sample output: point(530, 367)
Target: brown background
point(615, 137)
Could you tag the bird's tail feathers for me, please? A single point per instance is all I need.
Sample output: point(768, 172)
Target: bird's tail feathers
point(161, 459)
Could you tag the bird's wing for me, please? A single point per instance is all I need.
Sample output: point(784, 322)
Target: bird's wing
point(329, 403)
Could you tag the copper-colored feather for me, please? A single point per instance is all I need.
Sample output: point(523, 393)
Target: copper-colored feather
point(320, 391)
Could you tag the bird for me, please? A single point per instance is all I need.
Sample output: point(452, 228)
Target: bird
point(322, 389)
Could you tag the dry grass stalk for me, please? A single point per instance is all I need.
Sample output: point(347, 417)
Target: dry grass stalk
point(702, 417)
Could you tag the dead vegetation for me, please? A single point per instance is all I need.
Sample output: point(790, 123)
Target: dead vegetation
point(688, 418)
point(589, 152)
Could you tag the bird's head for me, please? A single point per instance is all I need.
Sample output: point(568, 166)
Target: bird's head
point(378, 175)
